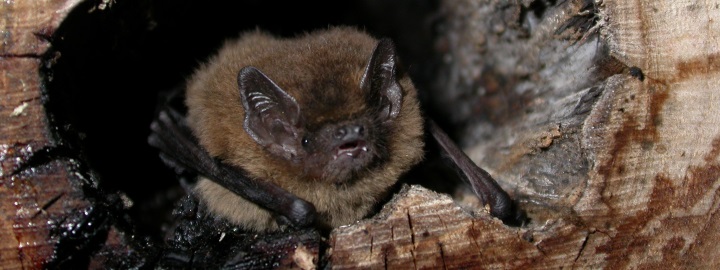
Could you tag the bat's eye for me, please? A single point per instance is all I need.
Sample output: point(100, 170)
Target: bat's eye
point(305, 141)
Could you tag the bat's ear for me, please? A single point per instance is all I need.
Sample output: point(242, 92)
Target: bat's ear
point(380, 80)
point(271, 114)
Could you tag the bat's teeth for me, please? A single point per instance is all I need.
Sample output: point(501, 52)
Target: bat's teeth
point(364, 148)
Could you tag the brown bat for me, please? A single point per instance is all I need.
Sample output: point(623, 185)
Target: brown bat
point(310, 130)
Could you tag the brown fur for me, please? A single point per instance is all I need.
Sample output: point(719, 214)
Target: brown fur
point(299, 66)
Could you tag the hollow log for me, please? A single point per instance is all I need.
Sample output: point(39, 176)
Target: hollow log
point(600, 117)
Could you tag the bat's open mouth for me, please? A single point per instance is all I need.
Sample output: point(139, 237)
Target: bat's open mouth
point(352, 148)
point(348, 159)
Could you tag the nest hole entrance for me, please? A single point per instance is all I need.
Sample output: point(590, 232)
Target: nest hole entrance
point(110, 60)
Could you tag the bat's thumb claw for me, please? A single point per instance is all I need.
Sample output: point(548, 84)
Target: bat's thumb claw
point(302, 213)
point(509, 212)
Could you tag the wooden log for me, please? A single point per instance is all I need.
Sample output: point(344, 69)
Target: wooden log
point(599, 116)
point(423, 229)
point(614, 153)
point(30, 201)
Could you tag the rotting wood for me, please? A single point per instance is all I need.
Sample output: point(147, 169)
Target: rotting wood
point(654, 186)
point(638, 190)
point(632, 181)
point(419, 229)
point(28, 202)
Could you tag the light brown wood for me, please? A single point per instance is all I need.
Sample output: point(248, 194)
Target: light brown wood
point(26, 218)
point(616, 172)
point(27, 24)
point(421, 229)
point(653, 189)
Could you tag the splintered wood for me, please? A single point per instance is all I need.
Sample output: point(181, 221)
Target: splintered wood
point(613, 145)
point(423, 229)
point(31, 200)
point(631, 181)
point(654, 186)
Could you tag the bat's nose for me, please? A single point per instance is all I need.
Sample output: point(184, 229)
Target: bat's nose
point(350, 133)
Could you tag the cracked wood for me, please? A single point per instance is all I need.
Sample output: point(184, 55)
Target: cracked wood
point(632, 176)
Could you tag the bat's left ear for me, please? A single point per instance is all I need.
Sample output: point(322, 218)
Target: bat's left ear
point(380, 80)
point(271, 114)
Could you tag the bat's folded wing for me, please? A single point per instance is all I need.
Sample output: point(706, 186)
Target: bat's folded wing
point(482, 184)
point(180, 150)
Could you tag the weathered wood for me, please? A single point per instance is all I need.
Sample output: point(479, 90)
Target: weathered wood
point(600, 118)
point(614, 153)
point(32, 200)
point(653, 189)
point(26, 25)
point(420, 229)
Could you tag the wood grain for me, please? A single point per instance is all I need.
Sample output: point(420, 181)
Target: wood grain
point(32, 199)
point(617, 171)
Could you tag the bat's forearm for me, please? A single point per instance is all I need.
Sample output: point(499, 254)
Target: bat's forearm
point(484, 186)
point(182, 151)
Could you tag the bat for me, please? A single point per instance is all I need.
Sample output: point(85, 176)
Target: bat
point(305, 131)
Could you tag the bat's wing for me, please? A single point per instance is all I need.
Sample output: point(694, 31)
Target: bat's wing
point(180, 150)
point(484, 186)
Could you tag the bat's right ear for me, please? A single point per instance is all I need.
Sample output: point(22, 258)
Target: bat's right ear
point(380, 80)
point(271, 114)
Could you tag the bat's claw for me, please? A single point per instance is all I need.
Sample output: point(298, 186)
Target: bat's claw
point(482, 184)
point(302, 213)
point(508, 211)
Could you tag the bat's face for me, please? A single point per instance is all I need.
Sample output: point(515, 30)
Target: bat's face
point(330, 144)
point(338, 152)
